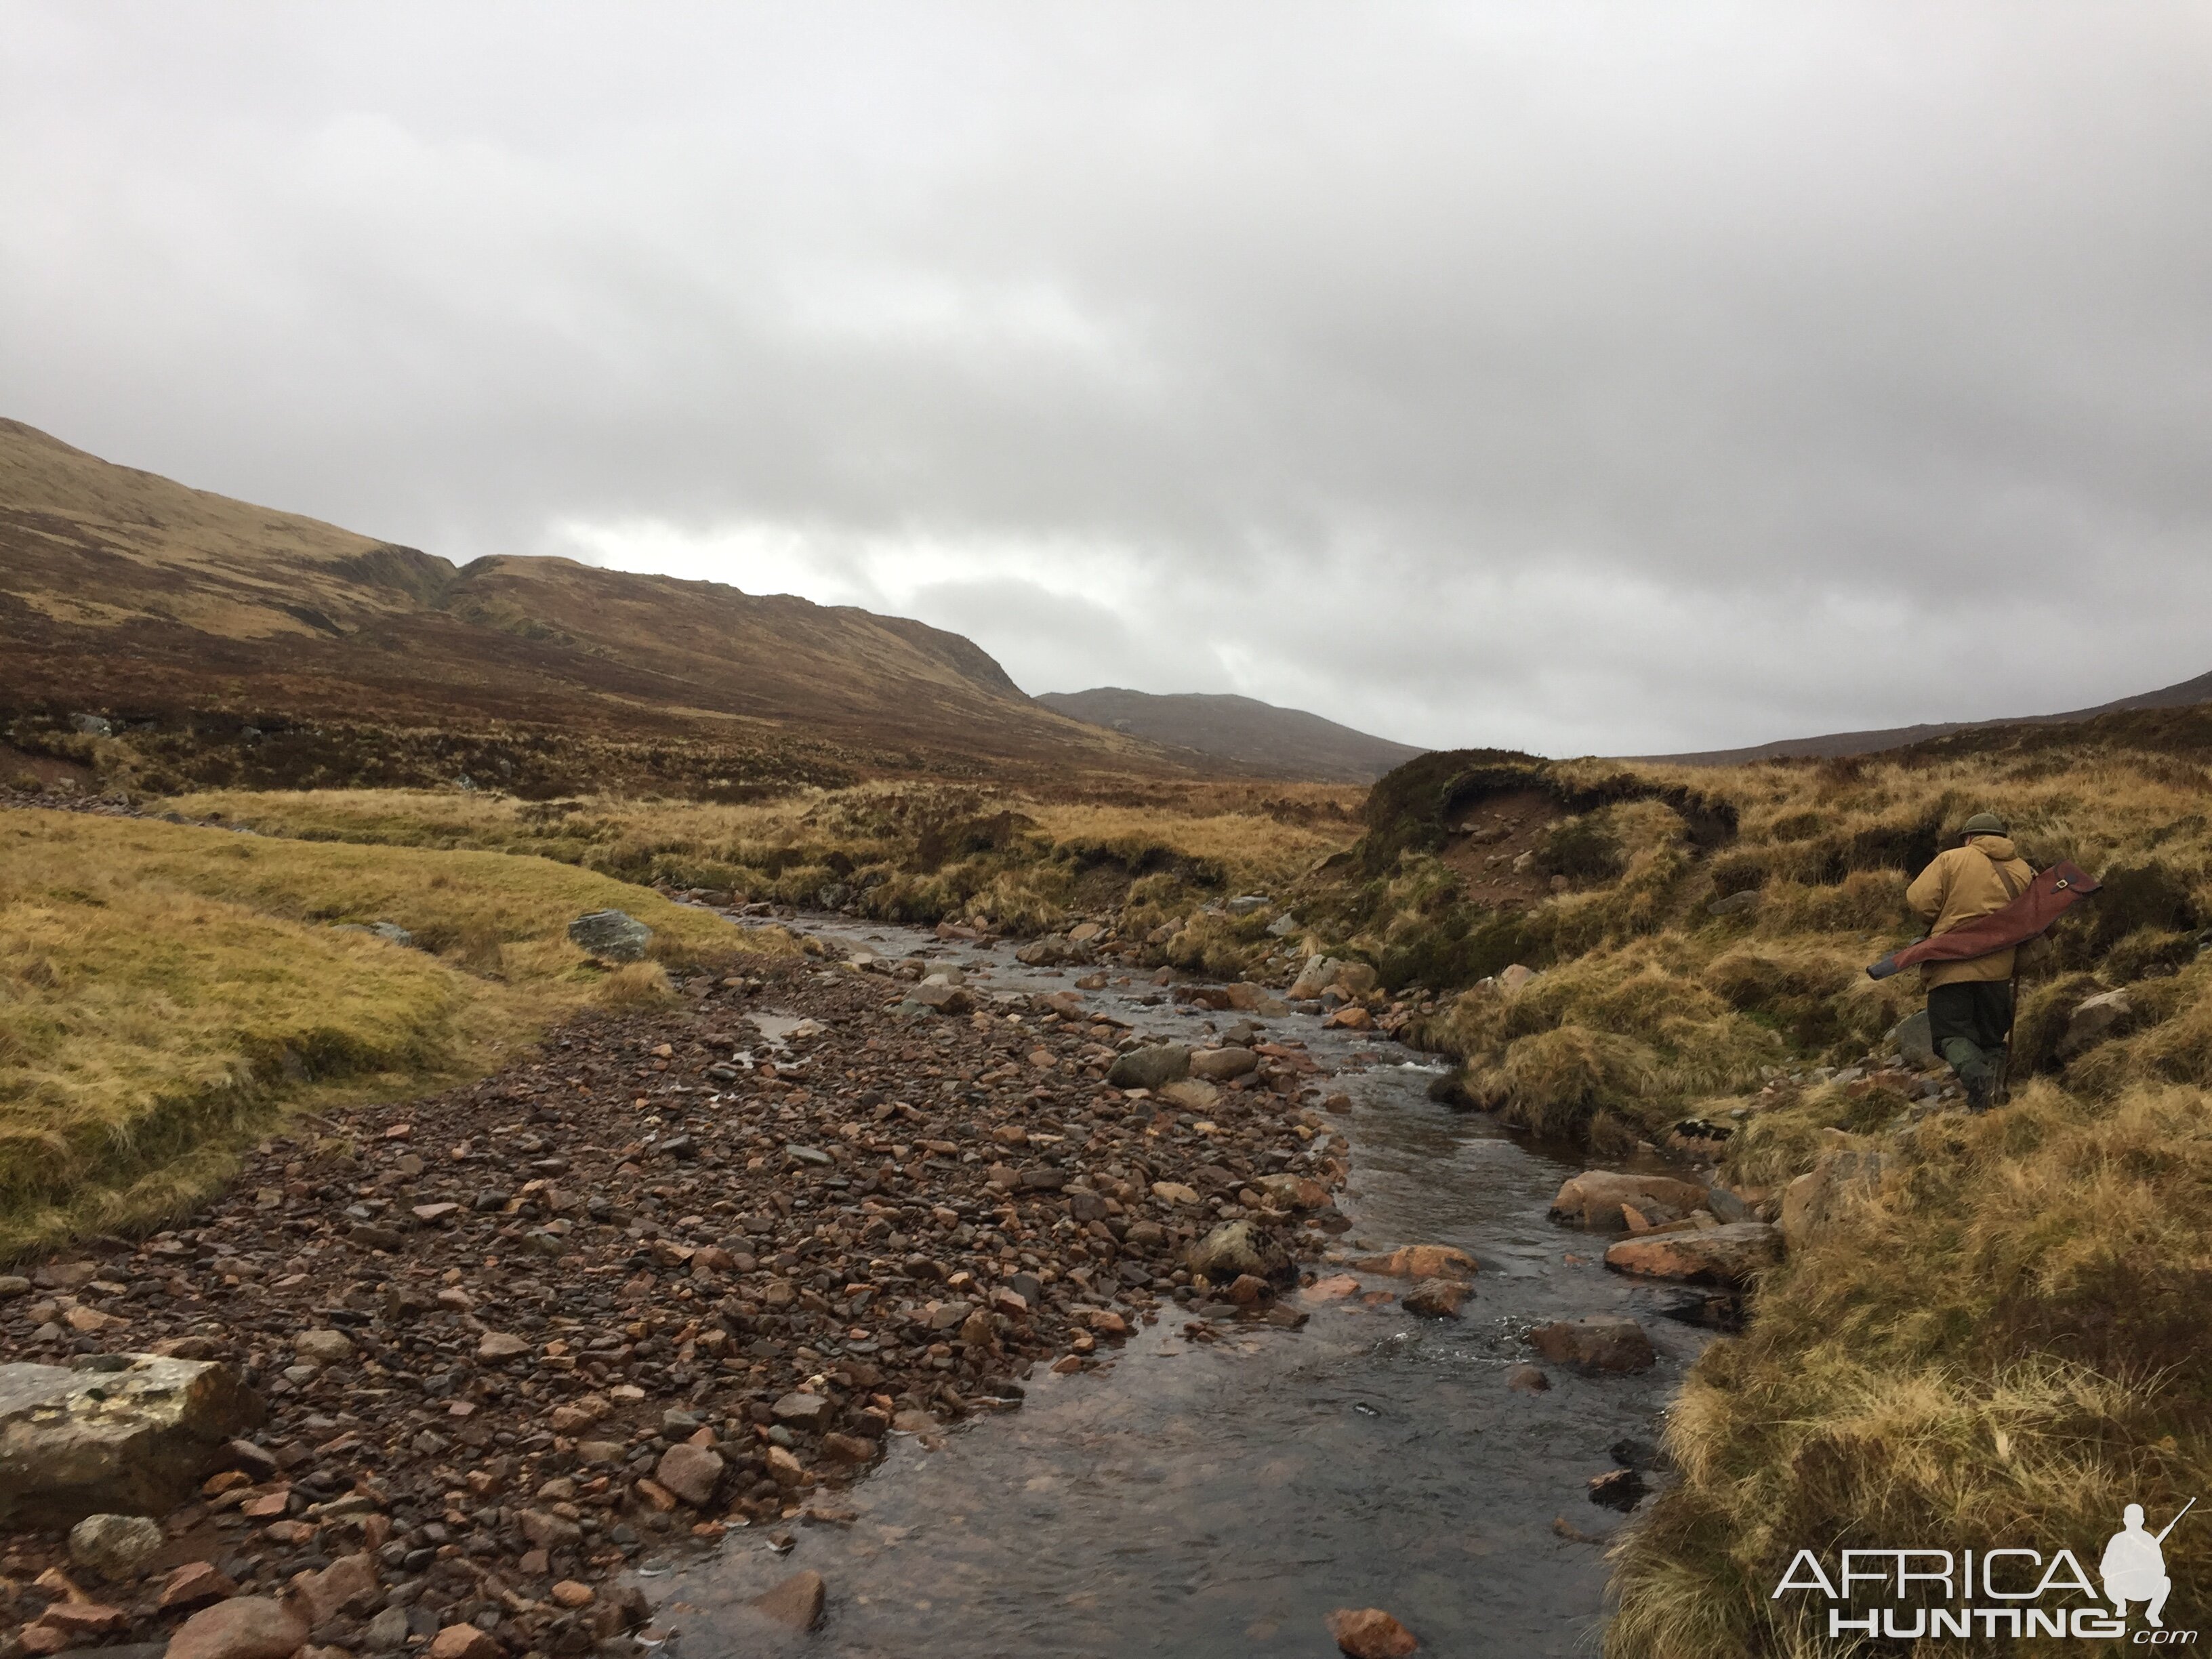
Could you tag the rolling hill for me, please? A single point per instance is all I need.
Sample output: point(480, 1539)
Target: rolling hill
point(166, 609)
point(2183, 694)
point(1242, 731)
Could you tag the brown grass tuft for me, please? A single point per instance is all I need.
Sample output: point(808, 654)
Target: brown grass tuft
point(1558, 1080)
point(2003, 1345)
point(635, 986)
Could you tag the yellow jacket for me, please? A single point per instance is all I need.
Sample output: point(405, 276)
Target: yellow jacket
point(1983, 876)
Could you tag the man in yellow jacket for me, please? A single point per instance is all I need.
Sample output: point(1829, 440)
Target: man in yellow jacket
point(1970, 1002)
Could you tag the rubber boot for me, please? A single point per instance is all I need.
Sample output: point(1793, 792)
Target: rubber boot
point(1975, 1074)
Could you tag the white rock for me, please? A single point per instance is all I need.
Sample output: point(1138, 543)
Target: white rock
point(114, 1546)
point(2094, 1020)
point(323, 1348)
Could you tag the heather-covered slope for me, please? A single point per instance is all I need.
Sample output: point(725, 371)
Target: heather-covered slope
point(2185, 694)
point(1244, 732)
point(126, 594)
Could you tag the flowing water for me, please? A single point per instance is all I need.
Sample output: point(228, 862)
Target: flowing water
point(1201, 1498)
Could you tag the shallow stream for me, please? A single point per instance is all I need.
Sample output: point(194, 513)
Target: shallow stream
point(1204, 1499)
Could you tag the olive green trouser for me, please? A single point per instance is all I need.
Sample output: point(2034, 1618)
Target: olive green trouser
point(1968, 1022)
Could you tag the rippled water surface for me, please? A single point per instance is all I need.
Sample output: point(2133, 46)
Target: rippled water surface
point(1210, 1498)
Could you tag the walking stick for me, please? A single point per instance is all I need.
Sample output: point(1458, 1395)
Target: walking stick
point(2012, 1019)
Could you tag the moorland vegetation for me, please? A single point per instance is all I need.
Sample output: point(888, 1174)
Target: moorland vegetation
point(1995, 1341)
point(1991, 1341)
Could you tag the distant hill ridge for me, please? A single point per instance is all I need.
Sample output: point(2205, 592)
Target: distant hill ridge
point(122, 592)
point(2182, 694)
point(1243, 730)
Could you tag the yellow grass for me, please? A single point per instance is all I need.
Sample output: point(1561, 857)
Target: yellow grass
point(2002, 1345)
point(913, 852)
point(163, 989)
point(2094, 805)
point(1714, 1002)
point(1254, 850)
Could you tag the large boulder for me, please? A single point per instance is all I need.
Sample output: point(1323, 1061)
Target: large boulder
point(1915, 1041)
point(611, 935)
point(1817, 1198)
point(1420, 1262)
point(1595, 1345)
point(1319, 973)
point(1220, 1065)
point(1727, 1255)
point(1436, 1298)
point(243, 1627)
point(133, 1440)
point(1594, 1199)
point(1190, 1094)
point(1369, 1633)
point(1355, 978)
point(1151, 1067)
point(1239, 1247)
point(795, 1603)
point(114, 1546)
point(1052, 952)
point(2094, 1020)
point(940, 997)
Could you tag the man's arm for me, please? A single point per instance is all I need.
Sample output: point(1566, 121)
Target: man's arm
point(1929, 890)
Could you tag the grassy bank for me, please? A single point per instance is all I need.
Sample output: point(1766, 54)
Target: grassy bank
point(1998, 1346)
point(900, 853)
point(165, 990)
point(1652, 1007)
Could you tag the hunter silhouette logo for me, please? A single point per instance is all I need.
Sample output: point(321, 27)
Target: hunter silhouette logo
point(2134, 1567)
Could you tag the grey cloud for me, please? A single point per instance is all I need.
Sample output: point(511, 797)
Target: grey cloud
point(1596, 378)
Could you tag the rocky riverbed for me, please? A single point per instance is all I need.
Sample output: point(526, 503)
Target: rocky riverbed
point(1449, 1435)
point(613, 1337)
point(683, 1271)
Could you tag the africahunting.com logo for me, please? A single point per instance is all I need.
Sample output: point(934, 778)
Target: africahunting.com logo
point(2007, 1592)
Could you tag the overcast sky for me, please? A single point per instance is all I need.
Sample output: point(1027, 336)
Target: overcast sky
point(1605, 378)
